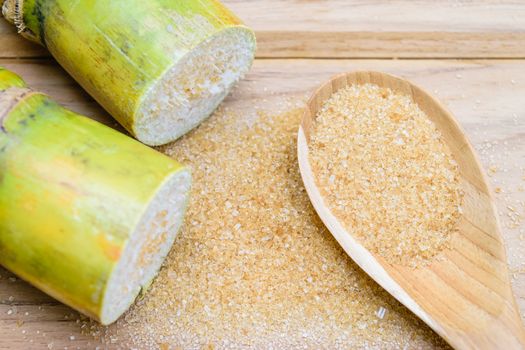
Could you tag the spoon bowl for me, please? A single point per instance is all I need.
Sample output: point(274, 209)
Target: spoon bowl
point(465, 296)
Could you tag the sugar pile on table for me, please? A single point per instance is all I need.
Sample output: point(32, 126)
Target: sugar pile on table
point(254, 267)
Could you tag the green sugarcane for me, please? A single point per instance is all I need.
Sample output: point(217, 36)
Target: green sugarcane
point(159, 66)
point(86, 214)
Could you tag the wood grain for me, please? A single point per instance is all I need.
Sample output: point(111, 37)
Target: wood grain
point(365, 29)
point(379, 29)
point(484, 95)
point(468, 302)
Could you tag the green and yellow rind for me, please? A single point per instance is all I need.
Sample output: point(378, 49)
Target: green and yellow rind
point(118, 49)
point(71, 192)
point(9, 79)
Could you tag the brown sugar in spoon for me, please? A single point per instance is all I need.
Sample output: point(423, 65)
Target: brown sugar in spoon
point(465, 296)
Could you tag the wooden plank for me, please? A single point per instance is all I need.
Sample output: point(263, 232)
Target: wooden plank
point(379, 29)
point(484, 95)
point(306, 44)
point(365, 29)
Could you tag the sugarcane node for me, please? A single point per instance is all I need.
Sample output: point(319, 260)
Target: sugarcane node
point(11, 97)
point(13, 11)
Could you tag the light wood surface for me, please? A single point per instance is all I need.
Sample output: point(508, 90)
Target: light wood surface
point(465, 295)
point(360, 29)
point(399, 28)
point(485, 95)
point(484, 100)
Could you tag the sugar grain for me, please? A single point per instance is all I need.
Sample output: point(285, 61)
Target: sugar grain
point(253, 266)
point(386, 173)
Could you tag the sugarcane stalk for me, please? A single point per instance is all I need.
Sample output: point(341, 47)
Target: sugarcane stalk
point(159, 66)
point(9, 79)
point(87, 214)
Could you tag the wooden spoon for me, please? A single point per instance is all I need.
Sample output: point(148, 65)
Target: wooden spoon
point(466, 295)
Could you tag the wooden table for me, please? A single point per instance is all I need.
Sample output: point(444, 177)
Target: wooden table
point(470, 54)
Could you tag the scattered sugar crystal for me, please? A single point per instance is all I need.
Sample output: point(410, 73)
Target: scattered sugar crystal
point(258, 289)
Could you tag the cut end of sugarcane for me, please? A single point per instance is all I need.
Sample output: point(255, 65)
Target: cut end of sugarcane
point(147, 247)
point(192, 89)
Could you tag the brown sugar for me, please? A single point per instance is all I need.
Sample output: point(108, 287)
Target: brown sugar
point(254, 267)
point(386, 174)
